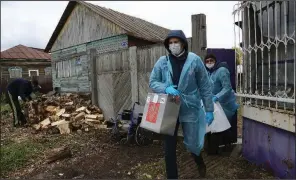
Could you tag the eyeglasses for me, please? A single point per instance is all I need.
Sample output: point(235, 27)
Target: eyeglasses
point(210, 60)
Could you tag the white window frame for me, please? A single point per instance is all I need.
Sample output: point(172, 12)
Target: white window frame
point(33, 70)
point(13, 69)
point(48, 71)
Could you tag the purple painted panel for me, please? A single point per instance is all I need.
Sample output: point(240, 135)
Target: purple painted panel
point(226, 55)
point(270, 147)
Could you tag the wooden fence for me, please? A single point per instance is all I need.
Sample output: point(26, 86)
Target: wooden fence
point(45, 81)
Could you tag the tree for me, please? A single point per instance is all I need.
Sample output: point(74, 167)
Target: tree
point(239, 55)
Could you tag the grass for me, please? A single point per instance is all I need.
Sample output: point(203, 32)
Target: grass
point(16, 155)
point(5, 108)
point(153, 170)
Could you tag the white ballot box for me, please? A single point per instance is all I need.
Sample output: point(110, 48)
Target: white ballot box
point(161, 113)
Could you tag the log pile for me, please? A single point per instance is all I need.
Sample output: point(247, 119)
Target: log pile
point(64, 114)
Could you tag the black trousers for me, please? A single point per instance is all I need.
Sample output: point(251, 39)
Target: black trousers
point(170, 147)
point(223, 138)
point(18, 116)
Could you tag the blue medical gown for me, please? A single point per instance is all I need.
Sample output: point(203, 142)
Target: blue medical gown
point(194, 86)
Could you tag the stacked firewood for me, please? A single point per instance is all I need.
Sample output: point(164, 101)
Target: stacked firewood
point(65, 113)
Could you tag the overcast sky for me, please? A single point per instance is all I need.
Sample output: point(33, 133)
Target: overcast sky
point(31, 23)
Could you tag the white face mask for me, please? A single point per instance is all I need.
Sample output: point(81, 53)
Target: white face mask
point(175, 48)
point(210, 66)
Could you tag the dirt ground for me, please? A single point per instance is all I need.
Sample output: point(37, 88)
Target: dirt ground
point(95, 155)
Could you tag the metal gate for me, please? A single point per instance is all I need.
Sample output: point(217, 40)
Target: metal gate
point(265, 31)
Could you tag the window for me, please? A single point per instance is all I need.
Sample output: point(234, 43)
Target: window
point(33, 73)
point(47, 71)
point(69, 68)
point(15, 72)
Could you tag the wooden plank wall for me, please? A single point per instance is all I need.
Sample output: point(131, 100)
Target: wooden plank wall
point(25, 69)
point(146, 58)
point(71, 73)
point(71, 68)
point(113, 82)
point(84, 25)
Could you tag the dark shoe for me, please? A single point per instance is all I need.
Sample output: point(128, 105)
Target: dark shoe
point(202, 170)
point(200, 165)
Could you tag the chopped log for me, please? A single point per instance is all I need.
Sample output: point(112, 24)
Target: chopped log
point(101, 117)
point(36, 126)
point(89, 123)
point(54, 118)
point(63, 121)
point(81, 109)
point(79, 116)
point(51, 108)
point(92, 120)
point(62, 111)
point(66, 115)
point(87, 111)
point(58, 154)
point(69, 103)
point(100, 126)
point(45, 123)
point(98, 110)
point(88, 102)
point(64, 128)
point(91, 116)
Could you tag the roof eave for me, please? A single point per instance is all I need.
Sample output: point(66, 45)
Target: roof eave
point(60, 25)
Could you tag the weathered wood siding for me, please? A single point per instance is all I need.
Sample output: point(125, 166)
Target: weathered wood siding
point(133, 41)
point(71, 66)
point(25, 68)
point(113, 82)
point(146, 58)
point(84, 26)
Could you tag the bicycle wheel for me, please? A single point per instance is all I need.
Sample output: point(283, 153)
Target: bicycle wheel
point(141, 137)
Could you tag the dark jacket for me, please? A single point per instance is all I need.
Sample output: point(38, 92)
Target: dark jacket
point(177, 62)
point(20, 87)
point(218, 65)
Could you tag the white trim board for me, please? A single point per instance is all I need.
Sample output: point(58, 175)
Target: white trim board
point(33, 70)
point(272, 118)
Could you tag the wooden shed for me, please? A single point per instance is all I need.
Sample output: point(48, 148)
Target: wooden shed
point(84, 26)
point(22, 62)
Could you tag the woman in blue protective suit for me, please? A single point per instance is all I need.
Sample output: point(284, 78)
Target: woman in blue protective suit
point(183, 74)
point(224, 94)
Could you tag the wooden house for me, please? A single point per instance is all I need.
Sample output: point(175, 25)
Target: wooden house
point(22, 62)
point(84, 26)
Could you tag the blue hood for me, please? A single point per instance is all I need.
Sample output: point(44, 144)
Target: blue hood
point(176, 34)
point(217, 65)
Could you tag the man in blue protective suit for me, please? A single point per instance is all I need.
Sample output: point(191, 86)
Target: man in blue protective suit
point(183, 74)
point(24, 89)
point(224, 94)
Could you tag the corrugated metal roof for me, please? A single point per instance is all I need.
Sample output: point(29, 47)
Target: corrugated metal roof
point(134, 26)
point(24, 52)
